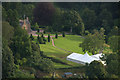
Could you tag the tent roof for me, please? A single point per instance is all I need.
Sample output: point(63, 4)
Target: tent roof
point(83, 58)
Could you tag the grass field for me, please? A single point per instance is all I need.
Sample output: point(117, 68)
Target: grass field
point(69, 43)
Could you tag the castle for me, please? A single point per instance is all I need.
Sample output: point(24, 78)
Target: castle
point(25, 24)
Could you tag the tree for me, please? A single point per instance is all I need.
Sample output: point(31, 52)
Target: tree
point(7, 54)
point(4, 14)
point(57, 19)
point(89, 18)
point(21, 43)
point(42, 35)
point(43, 13)
point(63, 34)
point(12, 18)
point(38, 37)
point(72, 19)
point(48, 37)
point(96, 70)
point(113, 41)
point(43, 38)
point(41, 41)
point(105, 18)
point(7, 31)
point(46, 65)
point(8, 61)
point(56, 35)
point(94, 42)
point(38, 30)
point(82, 29)
point(32, 38)
point(36, 27)
point(113, 59)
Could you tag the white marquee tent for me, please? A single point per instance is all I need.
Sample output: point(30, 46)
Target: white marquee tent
point(83, 59)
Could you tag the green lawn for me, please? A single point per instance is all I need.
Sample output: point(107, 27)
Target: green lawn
point(69, 43)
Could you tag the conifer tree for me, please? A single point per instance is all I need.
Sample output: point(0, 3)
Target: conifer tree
point(63, 34)
point(48, 37)
point(56, 35)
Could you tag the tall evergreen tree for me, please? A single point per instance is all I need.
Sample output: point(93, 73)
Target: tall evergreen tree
point(48, 37)
point(56, 35)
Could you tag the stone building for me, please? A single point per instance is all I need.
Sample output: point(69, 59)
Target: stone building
point(25, 24)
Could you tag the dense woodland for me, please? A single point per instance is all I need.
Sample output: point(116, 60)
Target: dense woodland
point(98, 23)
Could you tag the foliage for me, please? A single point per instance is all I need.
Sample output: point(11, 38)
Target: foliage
point(7, 31)
point(111, 60)
point(48, 37)
point(56, 35)
point(36, 27)
point(8, 61)
point(31, 36)
point(4, 14)
point(95, 70)
point(73, 19)
point(46, 65)
point(113, 42)
point(94, 42)
point(21, 43)
point(12, 17)
point(89, 18)
point(43, 13)
point(63, 34)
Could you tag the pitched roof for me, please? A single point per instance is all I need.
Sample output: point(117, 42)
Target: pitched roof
point(83, 58)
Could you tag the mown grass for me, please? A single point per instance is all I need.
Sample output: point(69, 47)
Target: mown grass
point(69, 43)
point(59, 54)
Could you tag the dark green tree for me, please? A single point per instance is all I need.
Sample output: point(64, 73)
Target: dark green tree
point(38, 30)
point(21, 43)
point(12, 18)
point(113, 59)
point(94, 42)
point(46, 65)
point(96, 70)
point(113, 41)
point(7, 54)
point(31, 37)
point(89, 18)
point(41, 41)
point(105, 20)
point(43, 38)
point(4, 14)
point(42, 35)
point(8, 61)
point(63, 34)
point(56, 35)
point(38, 37)
point(48, 37)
